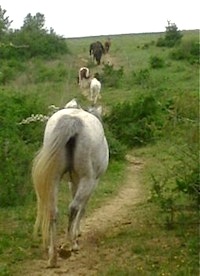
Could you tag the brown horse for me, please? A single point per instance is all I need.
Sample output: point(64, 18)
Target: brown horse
point(97, 50)
point(107, 45)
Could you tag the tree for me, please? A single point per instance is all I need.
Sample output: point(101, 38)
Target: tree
point(31, 40)
point(4, 23)
point(172, 36)
point(34, 23)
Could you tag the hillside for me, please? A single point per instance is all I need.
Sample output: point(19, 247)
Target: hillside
point(139, 221)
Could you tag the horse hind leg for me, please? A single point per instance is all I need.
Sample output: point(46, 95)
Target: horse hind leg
point(77, 208)
point(95, 99)
point(91, 94)
point(52, 261)
point(74, 222)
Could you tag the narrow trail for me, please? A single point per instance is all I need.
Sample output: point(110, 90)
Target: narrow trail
point(106, 59)
point(103, 220)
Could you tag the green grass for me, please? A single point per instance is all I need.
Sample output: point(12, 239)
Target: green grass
point(145, 248)
point(142, 245)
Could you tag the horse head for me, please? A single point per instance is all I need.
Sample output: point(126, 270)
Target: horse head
point(96, 111)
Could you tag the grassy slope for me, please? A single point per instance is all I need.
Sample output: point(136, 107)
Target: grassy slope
point(143, 247)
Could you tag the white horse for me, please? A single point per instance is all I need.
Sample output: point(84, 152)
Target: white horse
point(74, 143)
point(95, 89)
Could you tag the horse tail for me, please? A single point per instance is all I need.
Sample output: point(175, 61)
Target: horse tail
point(46, 171)
point(79, 77)
point(91, 48)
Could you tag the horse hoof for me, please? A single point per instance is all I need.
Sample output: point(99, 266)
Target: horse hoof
point(52, 264)
point(75, 248)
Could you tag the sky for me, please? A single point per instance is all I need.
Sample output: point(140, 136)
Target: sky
point(82, 18)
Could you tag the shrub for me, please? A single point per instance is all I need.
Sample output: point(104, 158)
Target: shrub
point(18, 144)
point(112, 77)
point(32, 40)
point(178, 188)
point(9, 69)
point(172, 36)
point(136, 123)
point(117, 150)
point(156, 62)
point(141, 77)
point(187, 50)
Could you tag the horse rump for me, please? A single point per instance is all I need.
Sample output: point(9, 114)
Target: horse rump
point(97, 50)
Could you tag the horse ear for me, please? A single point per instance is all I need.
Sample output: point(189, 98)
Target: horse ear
point(96, 111)
point(72, 104)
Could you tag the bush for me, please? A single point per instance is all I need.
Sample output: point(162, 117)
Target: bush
point(172, 36)
point(136, 123)
point(112, 77)
point(18, 145)
point(117, 150)
point(188, 50)
point(34, 43)
point(156, 62)
point(32, 40)
point(141, 77)
point(178, 188)
point(9, 69)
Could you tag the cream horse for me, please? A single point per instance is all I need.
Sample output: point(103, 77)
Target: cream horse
point(95, 90)
point(74, 143)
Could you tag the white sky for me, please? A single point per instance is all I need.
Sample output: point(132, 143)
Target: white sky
point(78, 18)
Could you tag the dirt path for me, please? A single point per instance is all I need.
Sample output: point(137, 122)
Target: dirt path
point(106, 59)
point(104, 219)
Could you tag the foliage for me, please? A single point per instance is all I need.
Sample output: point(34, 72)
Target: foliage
point(176, 187)
point(156, 252)
point(33, 40)
point(141, 77)
point(47, 73)
point(136, 123)
point(117, 150)
point(187, 50)
point(10, 69)
point(172, 36)
point(169, 191)
point(18, 144)
point(156, 62)
point(32, 23)
point(4, 23)
point(112, 77)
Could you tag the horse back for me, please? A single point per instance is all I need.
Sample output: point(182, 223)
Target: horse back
point(77, 137)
